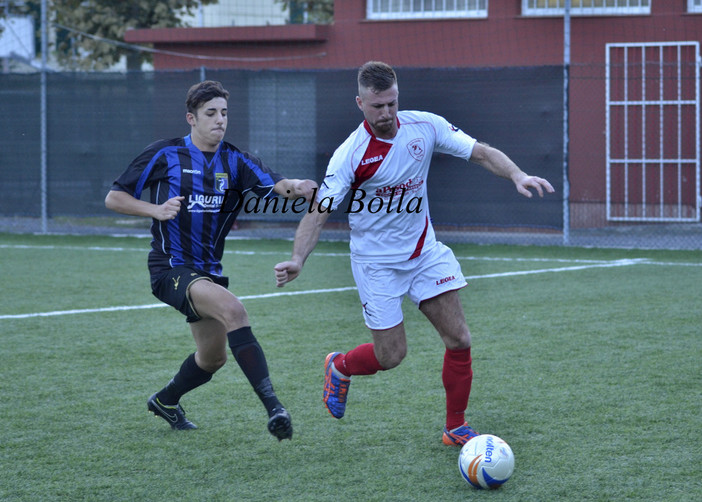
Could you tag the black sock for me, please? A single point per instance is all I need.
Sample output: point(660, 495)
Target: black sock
point(249, 354)
point(188, 377)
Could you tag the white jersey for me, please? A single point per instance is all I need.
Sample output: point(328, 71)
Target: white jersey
point(388, 208)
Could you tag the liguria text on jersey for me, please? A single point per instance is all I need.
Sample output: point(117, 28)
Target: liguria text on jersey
point(396, 200)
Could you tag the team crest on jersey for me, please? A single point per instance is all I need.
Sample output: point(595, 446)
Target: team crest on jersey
point(416, 148)
point(221, 182)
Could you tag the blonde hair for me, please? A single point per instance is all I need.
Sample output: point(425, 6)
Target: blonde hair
point(376, 76)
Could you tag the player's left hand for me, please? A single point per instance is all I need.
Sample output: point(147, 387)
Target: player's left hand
point(286, 271)
point(526, 182)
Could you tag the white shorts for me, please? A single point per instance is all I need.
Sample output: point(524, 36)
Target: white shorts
point(383, 286)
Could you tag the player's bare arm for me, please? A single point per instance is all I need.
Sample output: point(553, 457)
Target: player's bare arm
point(497, 162)
point(124, 203)
point(294, 188)
point(306, 238)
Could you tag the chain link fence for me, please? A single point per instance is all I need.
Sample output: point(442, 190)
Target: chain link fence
point(294, 120)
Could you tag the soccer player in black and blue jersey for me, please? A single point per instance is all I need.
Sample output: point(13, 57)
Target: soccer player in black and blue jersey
point(195, 184)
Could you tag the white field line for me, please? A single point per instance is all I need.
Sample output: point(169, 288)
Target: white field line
point(159, 305)
point(145, 250)
point(333, 255)
point(617, 263)
point(285, 253)
point(581, 265)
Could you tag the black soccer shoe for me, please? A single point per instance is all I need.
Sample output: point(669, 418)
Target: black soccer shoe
point(174, 415)
point(279, 424)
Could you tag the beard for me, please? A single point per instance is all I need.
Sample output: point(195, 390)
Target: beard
point(383, 126)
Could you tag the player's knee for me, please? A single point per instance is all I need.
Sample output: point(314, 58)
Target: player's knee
point(213, 363)
point(218, 363)
point(458, 340)
point(393, 358)
point(234, 315)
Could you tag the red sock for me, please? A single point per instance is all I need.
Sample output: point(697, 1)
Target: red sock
point(358, 361)
point(457, 376)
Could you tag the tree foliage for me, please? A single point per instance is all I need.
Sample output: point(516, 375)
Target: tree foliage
point(89, 32)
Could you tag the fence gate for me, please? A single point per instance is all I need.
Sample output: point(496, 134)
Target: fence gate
point(653, 131)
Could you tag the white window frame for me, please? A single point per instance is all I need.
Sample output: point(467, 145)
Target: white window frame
point(694, 6)
point(529, 8)
point(395, 10)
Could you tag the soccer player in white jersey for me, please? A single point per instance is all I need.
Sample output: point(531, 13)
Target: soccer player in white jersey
point(394, 251)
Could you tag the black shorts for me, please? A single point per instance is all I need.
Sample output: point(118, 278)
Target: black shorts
point(172, 286)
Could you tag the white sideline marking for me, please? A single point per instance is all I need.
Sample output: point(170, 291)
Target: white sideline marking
point(147, 249)
point(617, 263)
point(582, 265)
point(158, 305)
point(333, 255)
point(287, 253)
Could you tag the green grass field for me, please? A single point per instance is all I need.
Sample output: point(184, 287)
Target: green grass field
point(587, 362)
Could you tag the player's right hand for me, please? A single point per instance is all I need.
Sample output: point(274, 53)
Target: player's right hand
point(169, 209)
point(285, 272)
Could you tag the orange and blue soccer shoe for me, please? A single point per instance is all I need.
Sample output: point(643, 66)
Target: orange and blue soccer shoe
point(336, 388)
point(458, 436)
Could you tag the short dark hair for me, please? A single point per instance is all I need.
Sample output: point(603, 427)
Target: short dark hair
point(376, 76)
point(202, 93)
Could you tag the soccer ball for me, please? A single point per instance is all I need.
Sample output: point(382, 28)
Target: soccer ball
point(486, 461)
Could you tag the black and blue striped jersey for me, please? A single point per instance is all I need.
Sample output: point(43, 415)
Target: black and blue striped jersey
point(176, 167)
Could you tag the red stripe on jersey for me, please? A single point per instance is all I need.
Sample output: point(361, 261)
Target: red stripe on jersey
point(420, 242)
point(375, 152)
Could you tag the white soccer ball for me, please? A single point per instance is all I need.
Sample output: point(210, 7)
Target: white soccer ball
point(486, 461)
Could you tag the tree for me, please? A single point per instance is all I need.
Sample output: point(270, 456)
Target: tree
point(89, 33)
point(312, 11)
